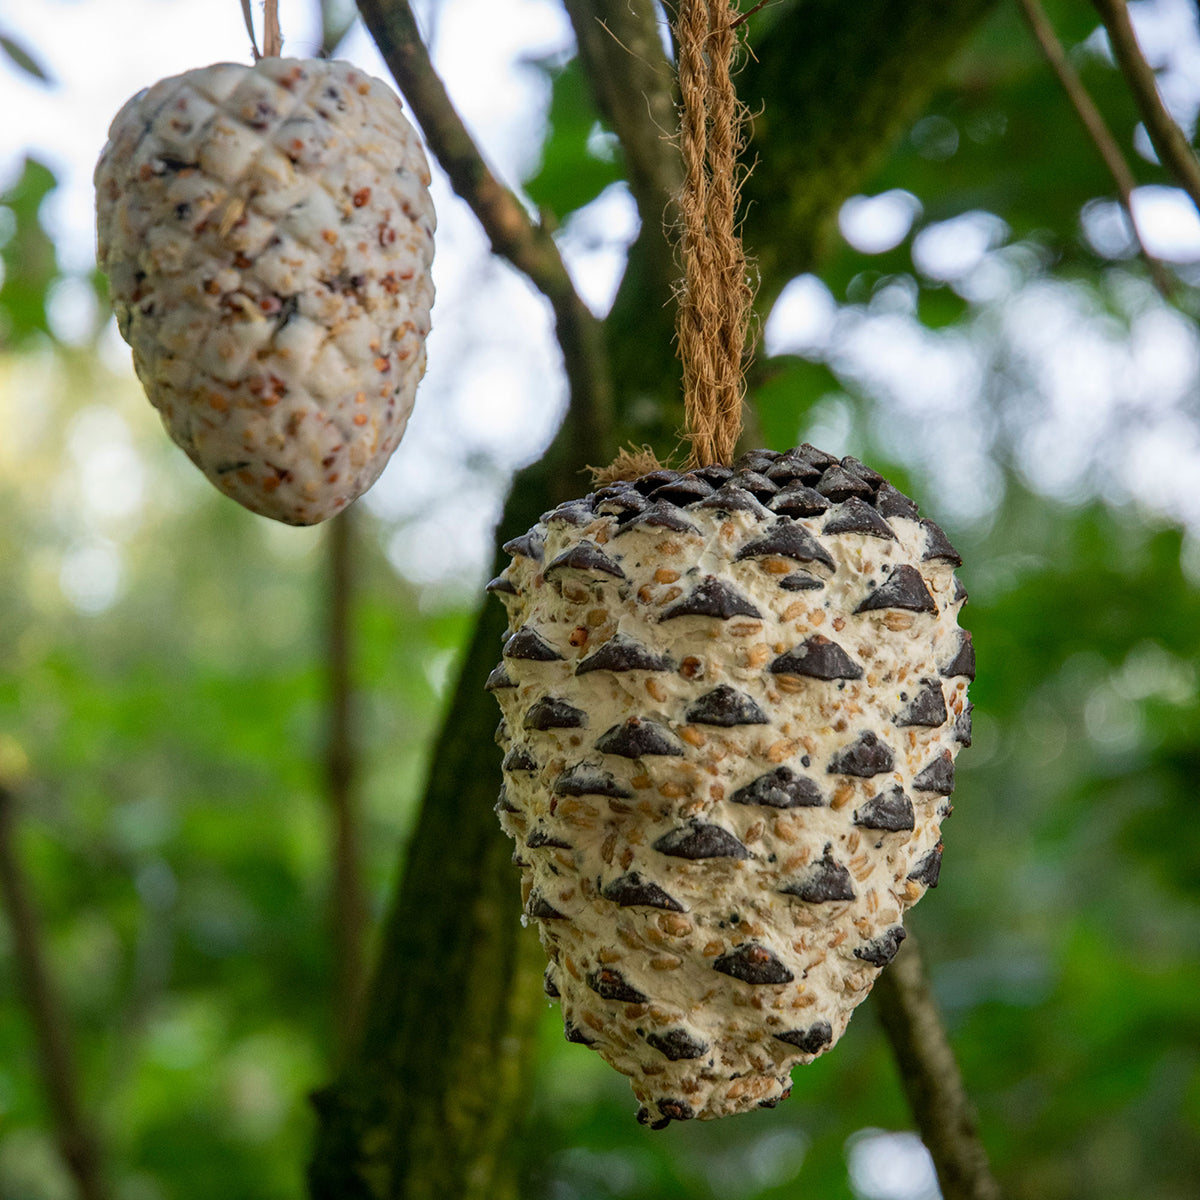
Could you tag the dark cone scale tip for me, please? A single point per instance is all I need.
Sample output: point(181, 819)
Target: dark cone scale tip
point(637, 737)
point(622, 653)
point(733, 699)
point(701, 841)
point(781, 788)
point(712, 598)
point(891, 812)
point(818, 658)
point(788, 539)
point(811, 1040)
point(823, 881)
point(584, 558)
point(754, 964)
point(904, 588)
point(630, 890)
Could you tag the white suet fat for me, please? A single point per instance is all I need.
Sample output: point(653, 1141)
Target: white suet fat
point(267, 233)
point(732, 701)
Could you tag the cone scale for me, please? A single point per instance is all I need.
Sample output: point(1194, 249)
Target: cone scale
point(732, 700)
point(267, 234)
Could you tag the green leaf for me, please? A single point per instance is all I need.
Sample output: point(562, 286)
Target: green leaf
point(790, 387)
point(20, 57)
point(576, 166)
point(30, 261)
point(939, 307)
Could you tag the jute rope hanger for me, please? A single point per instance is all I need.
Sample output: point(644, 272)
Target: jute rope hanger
point(715, 295)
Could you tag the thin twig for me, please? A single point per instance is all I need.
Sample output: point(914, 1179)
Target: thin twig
point(529, 247)
point(741, 20)
point(931, 1079)
point(1172, 146)
point(272, 37)
point(348, 910)
point(77, 1142)
point(248, 17)
point(1098, 131)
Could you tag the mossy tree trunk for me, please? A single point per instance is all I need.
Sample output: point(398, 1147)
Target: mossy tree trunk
point(441, 1074)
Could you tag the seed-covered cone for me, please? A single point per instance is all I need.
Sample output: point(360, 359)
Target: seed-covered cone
point(267, 234)
point(732, 701)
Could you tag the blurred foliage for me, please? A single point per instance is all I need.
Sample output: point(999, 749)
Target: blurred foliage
point(166, 750)
point(161, 719)
point(17, 54)
point(28, 255)
point(579, 157)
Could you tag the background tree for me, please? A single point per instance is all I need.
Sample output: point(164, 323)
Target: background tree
point(166, 750)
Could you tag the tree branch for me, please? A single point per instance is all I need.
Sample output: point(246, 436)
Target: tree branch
point(931, 1078)
point(633, 83)
point(1173, 148)
point(513, 236)
point(77, 1141)
point(1097, 130)
point(348, 910)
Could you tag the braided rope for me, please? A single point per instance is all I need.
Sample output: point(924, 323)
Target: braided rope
point(714, 308)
